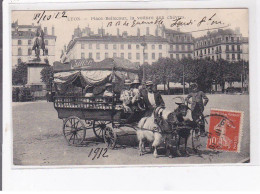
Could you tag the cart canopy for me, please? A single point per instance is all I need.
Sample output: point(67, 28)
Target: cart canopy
point(85, 72)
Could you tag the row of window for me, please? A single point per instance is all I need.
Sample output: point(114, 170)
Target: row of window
point(180, 38)
point(180, 46)
point(178, 56)
point(122, 46)
point(29, 51)
point(213, 41)
point(218, 49)
point(29, 42)
point(233, 57)
point(232, 47)
point(122, 55)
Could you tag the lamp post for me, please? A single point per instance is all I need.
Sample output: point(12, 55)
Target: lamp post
point(143, 44)
point(183, 78)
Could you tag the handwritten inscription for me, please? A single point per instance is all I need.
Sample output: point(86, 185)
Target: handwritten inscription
point(209, 21)
point(97, 153)
point(175, 21)
point(45, 16)
point(178, 22)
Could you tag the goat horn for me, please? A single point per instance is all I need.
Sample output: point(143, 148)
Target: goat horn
point(179, 97)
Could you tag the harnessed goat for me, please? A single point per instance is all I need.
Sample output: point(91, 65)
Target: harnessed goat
point(159, 127)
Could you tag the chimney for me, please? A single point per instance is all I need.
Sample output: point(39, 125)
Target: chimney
point(101, 32)
point(118, 34)
point(53, 33)
point(162, 31)
point(156, 31)
point(237, 30)
point(178, 29)
point(124, 34)
point(147, 30)
point(138, 32)
point(45, 30)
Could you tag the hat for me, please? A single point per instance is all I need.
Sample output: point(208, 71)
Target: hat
point(148, 83)
point(136, 81)
point(108, 85)
point(193, 86)
point(89, 86)
point(128, 82)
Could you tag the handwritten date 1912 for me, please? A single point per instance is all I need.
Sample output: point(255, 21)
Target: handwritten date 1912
point(43, 16)
point(97, 153)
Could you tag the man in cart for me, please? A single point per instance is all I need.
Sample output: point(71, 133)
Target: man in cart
point(126, 96)
point(130, 97)
point(135, 92)
point(151, 98)
point(89, 91)
point(108, 90)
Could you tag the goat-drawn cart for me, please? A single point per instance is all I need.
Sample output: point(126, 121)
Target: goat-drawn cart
point(79, 113)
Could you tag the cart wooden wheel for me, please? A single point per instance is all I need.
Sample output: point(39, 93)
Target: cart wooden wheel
point(109, 137)
point(74, 130)
point(98, 127)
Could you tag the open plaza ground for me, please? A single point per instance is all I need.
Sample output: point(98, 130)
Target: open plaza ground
point(38, 139)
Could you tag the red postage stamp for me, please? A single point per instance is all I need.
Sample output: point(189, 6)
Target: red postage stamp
point(225, 130)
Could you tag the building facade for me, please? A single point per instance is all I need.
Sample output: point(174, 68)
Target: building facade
point(147, 48)
point(180, 44)
point(222, 44)
point(22, 42)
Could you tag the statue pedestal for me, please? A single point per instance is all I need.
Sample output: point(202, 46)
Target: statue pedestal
point(34, 81)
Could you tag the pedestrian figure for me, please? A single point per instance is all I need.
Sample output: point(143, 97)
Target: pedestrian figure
point(197, 105)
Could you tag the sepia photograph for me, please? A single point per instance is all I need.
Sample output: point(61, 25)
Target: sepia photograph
point(130, 87)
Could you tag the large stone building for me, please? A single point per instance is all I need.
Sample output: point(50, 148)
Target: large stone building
point(180, 44)
point(22, 42)
point(222, 44)
point(225, 44)
point(147, 48)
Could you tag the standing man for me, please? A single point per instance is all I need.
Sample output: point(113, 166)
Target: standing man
point(152, 98)
point(197, 105)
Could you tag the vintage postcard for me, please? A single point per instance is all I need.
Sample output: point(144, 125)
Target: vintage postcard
point(130, 87)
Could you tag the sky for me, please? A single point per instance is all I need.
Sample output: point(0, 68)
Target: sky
point(197, 21)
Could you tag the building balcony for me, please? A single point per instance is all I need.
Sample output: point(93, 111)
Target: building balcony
point(234, 51)
point(180, 51)
point(218, 52)
point(217, 43)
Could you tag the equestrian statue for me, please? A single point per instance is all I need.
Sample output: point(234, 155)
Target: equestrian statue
point(38, 43)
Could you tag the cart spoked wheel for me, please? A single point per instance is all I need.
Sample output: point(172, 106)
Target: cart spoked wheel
point(74, 130)
point(109, 137)
point(98, 127)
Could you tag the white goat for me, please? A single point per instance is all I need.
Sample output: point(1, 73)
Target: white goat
point(148, 130)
